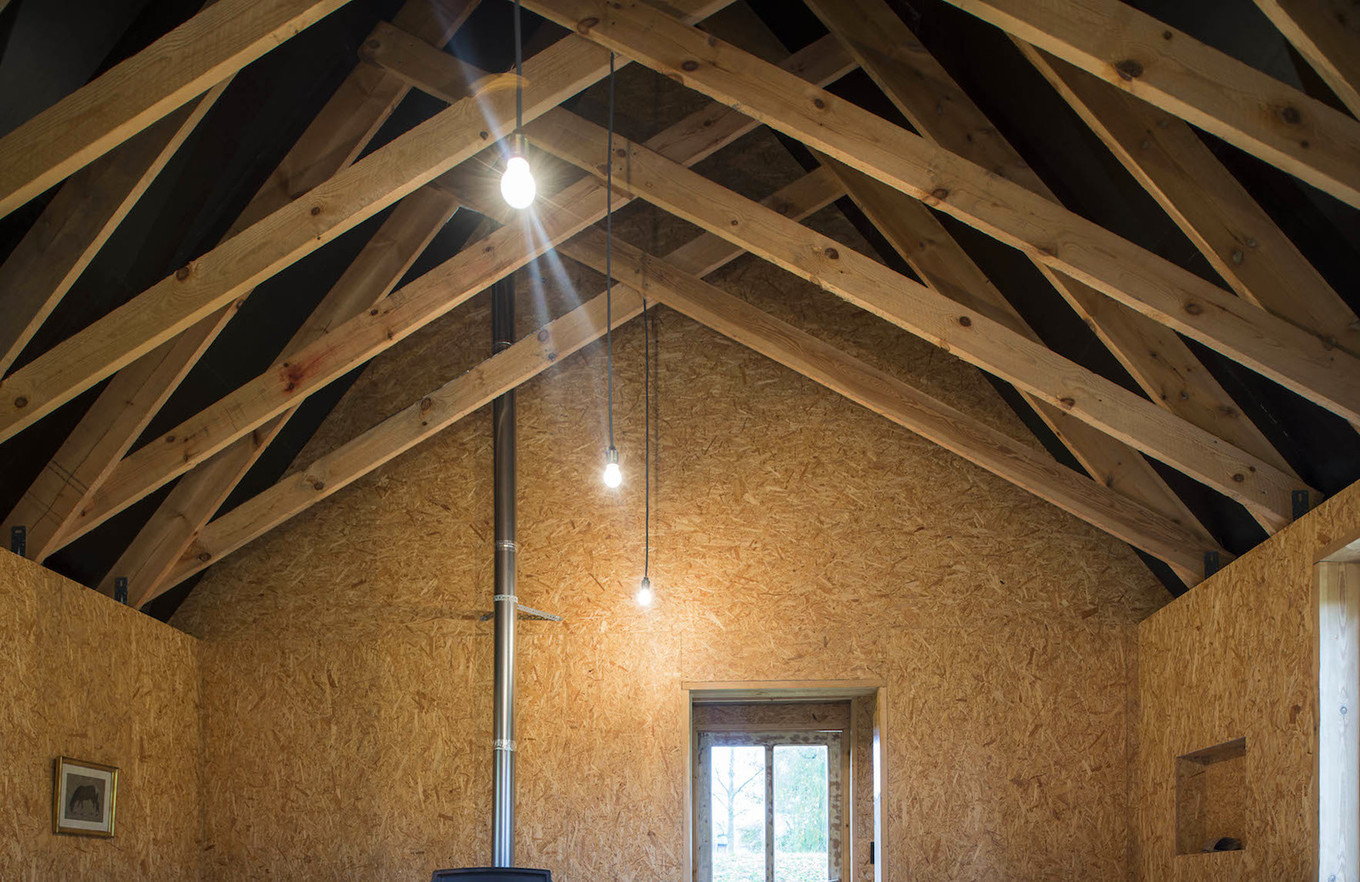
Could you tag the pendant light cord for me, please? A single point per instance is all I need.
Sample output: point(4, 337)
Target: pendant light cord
point(609, 251)
point(519, 84)
point(647, 440)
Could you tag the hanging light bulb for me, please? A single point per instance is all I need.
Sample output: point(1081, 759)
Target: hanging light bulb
point(613, 475)
point(517, 184)
point(645, 595)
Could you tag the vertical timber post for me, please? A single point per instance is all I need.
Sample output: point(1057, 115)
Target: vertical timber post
point(503, 442)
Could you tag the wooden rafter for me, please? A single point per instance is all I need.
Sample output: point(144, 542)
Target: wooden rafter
point(940, 111)
point(333, 141)
point(207, 285)
point(1060, 239)
point(1327, 33)
point(1154, 355)
point(460, 397)
point(940, 262)
point(400, 432)
point(903, 404)
point(80, 219)
point(123, 410)
point(85, 125)
point(192, 503)
point(1229, 228)
point(536, 352)
point(1164, 365)
point(1201, 85)
point(433, 294)
point(923, 312)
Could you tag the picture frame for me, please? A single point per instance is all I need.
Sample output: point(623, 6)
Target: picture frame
point(84, 797)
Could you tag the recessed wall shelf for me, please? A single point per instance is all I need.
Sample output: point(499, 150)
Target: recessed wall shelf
point(1211, 789)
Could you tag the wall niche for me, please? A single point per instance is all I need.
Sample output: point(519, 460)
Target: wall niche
point(1211, 790)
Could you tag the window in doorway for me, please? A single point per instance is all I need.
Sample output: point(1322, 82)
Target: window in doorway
point(771, 792)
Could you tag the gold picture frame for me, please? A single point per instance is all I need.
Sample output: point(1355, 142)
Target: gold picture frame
point(84, 797)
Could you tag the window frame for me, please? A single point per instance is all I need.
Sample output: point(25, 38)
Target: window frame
point(772, 724)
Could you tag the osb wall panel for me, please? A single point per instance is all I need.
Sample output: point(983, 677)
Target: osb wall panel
point(89, 678)
point(1233, 658)
point(346, 681)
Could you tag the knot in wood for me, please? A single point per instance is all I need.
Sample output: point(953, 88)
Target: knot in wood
point(819, 104)
point(940, 193)
point(689, 65)
point(1194, 308)
point(1239, 477)
point(832, 254)
point(1068, 403)
point(426, 404)
point(543, 335)
point(21, 402)
point(204, 556)
point(1291, 115)
point(316, 209)
point(965, 321)
point(584, 25)
point(1128, 69)
point(185, 271)
point(318, 484)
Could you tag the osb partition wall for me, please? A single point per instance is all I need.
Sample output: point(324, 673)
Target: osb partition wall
point(1236, 658)
point(347, 676)
point(89, 678)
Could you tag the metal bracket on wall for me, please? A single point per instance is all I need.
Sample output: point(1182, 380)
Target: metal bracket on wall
point(526, 612)
point(1299, 498)
point(18, 540)
point(120, 589)
point(1211, 563)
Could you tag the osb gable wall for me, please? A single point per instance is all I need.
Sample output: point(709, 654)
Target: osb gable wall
point(347, 681)
point(89, 678)
point(347, 674)
point(1234, 658)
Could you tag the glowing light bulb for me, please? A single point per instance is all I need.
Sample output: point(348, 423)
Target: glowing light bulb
point(645, 595)
point(517, 184)
point(613, 475)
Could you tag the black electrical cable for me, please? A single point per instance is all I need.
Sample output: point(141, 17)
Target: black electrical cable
point(519, 85)
point(647, 441)
point(609, 255)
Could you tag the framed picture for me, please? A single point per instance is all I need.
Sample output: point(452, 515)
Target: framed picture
point(83, 796)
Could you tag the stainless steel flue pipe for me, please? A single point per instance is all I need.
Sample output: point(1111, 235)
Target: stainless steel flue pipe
point(503, 729)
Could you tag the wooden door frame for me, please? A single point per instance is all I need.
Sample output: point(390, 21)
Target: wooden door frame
point(750, 691)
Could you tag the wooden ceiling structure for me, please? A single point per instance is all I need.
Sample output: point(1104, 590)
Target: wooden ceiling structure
point(1126, 447)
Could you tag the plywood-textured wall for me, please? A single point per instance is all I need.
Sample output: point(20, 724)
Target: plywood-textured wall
point(86, 677)
point(347, 676)
point(1237, 658)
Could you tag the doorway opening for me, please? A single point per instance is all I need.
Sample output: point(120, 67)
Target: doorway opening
point(783, 784)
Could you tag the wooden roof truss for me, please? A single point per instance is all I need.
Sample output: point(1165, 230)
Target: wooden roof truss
point(1138, 83)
